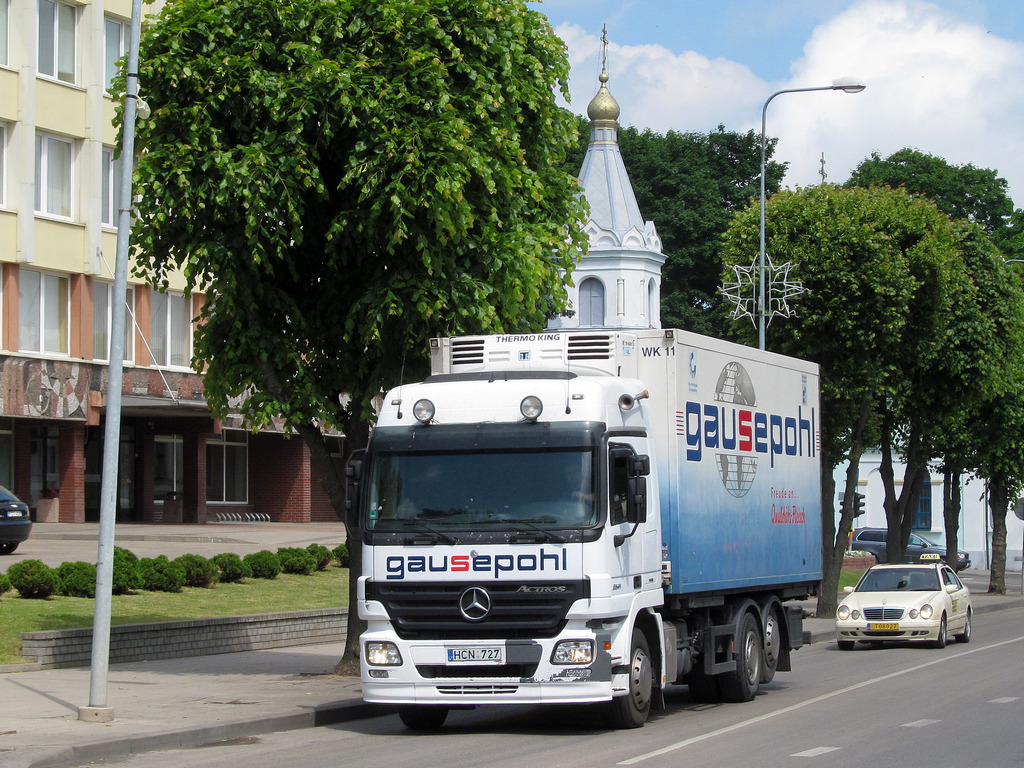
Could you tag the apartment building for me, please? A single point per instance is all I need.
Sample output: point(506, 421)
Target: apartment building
point(59, 183)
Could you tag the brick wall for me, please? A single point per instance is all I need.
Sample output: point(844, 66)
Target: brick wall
point(279, 480)
point(196, 637)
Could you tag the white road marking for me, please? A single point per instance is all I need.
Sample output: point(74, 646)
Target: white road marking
point(920, 723)
point(815, 752)
point(945, 659)
point(1004, 700)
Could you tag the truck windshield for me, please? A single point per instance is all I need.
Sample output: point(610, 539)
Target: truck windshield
point(490, 490)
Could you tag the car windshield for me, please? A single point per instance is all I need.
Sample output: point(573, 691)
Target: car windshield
point(489, 490)
point(899, 580)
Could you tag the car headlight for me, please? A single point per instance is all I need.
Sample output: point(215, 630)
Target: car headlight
point(843, 612)
point(913, 613)
point(383, 654)
point(573, 652)
point(926, 611)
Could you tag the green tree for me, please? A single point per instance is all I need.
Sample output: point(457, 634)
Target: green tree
point(875, 264)
point(967, 192)
point(690, 185)
point(345, 180)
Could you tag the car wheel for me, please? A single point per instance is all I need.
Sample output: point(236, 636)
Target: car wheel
point(846, 645)
point(965, 636)
point(7, 547)
point(940, 641)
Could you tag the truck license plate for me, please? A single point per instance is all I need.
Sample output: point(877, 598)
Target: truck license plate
point(476, 655)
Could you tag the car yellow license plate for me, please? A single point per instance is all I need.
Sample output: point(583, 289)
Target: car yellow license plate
point(876, 626)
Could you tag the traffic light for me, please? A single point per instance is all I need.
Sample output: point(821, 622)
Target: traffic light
point(858, 504)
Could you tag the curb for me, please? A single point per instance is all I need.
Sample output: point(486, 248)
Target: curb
point(193, 737)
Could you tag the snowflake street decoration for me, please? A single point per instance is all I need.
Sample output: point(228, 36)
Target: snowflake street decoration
point(779, 290)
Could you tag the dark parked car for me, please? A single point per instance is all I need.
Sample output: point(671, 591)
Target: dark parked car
point(15, 523)
point(919, 549)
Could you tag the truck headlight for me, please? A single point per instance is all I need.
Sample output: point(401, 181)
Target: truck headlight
point(531, 407)
point(573, 652)
point(423, 411)
point(383, 654)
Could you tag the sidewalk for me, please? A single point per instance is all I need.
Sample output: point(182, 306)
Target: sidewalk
point(178, 702)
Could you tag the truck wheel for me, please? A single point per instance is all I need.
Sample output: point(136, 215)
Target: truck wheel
point(742, 683)
point(422, 717)
point(631, 710)
point(772, 646)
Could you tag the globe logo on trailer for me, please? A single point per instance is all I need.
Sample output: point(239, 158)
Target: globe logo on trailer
point(735, 387)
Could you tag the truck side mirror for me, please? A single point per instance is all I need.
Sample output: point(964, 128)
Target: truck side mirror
point(641, 466)
point(353, 485)
point(636, 502)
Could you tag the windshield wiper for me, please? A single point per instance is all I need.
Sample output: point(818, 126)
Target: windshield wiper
point(426, 531)
point(532, 524)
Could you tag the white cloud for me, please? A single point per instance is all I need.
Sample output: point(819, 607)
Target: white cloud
point(935, 82)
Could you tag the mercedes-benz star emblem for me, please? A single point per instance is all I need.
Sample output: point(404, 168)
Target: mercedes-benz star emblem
point(475, 604)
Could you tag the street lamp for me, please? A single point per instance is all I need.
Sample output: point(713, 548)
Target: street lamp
point(845, 84)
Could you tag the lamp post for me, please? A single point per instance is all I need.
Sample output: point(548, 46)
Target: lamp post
point(845, 84)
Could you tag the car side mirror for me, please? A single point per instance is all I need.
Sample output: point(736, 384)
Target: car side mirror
point(847, 590)
point(951, 588)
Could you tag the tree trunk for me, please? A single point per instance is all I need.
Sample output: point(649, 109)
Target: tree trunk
point(834, 541)
point(951, 503)
point(1000, 501)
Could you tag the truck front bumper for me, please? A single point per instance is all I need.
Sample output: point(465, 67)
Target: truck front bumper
point(526, 675)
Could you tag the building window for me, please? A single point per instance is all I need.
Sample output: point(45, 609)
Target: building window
point(57, 40)
point(168, 465)
point(923, 518)
point(171, 330)
point(5, 11)
point(227, 467)
point(3, 157)
point(114, 47)
point(43, 309)
point(111, 187)
point(102, 321)
point(53, 175)
point(591, 303)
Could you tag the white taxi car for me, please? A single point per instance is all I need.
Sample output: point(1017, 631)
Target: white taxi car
point(901, 603)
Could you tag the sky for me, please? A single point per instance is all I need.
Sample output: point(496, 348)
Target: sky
point(945, 77)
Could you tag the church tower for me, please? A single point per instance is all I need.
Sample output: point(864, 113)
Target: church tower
point(618, 281)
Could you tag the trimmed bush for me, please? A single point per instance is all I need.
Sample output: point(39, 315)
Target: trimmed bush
point(33, 579)
point(158, 574)
point(263, 564)
point(77, 579)
point(322, 554)
point(231, 568)
point(298, 561)
point(199, 572)
point(5, 583)
point(340, 553)
point(126, 572)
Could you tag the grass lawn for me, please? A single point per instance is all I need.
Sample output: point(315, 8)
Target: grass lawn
point(288, 592)
point(849, 578)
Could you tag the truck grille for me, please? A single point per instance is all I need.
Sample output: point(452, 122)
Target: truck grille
point(431, 611)
point(590, 347)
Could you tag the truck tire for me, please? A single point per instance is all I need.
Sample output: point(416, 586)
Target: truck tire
point(631, 710)
point(742, 683)
point(772, 644)
point(422, 717)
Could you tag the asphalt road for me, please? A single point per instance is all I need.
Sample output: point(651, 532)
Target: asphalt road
point(904, 706)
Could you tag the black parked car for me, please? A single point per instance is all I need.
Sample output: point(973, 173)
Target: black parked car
point(15, 523)
point(919, 549)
